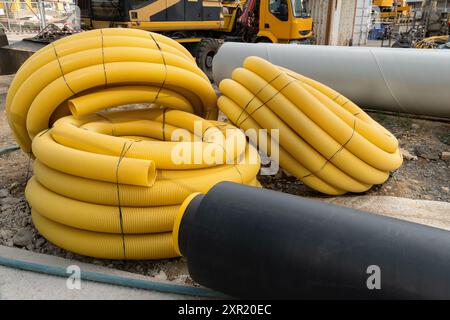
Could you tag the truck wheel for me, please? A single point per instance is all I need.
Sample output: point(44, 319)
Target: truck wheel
point(206, 50)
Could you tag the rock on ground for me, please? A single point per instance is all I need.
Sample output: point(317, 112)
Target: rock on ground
point(407, 155)
point(445, 156)
point(23, 238)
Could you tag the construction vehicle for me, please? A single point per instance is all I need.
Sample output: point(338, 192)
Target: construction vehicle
point(392, 11)
point(430, 28)
point(270, 20)
point(389, 16)
point(202, 25)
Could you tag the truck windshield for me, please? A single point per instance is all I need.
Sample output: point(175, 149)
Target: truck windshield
point(300, 8)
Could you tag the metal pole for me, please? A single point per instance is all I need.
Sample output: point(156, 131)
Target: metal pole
point(363, 12)
point(18, 15)
point(43, 22)
point(429, 11)
point(5, 5)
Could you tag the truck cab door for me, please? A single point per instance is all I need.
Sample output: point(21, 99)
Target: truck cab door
point(275, 19)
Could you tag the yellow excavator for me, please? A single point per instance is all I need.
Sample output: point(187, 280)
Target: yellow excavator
point(202, 25)
point(392, 11)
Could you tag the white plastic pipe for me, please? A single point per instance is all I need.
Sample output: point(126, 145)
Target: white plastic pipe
point(415, 81)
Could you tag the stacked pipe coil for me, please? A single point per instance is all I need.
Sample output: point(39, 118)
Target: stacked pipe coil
point(109, 184)
point(117, 66)
point(325, 140)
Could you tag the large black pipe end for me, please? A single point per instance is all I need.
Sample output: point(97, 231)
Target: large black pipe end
point(254, 243)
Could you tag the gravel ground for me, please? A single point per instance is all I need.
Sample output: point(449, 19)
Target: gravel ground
point(426, 176)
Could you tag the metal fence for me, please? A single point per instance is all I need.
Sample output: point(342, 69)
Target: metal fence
point(27, 16)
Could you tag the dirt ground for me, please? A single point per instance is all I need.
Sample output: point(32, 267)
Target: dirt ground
point(427, 177)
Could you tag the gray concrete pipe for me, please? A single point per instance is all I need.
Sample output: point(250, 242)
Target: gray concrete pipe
point(414, 81)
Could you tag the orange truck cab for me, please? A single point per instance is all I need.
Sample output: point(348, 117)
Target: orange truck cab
point(285, 21)
point(278, 21)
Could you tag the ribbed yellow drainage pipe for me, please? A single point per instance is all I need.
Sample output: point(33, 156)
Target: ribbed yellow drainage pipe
point(325, 140)
point(108, 184)
point(93, 61)
point(99, 193)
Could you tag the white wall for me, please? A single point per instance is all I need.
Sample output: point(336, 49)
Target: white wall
point(362, 22)
point(340, 23)
point(319, 13)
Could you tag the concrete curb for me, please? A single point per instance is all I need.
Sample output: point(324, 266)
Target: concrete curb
point(52, 277)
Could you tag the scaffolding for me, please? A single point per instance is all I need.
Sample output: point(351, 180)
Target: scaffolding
point(27, 16)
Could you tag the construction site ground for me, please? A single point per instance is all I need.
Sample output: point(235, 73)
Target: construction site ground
point(423, 180)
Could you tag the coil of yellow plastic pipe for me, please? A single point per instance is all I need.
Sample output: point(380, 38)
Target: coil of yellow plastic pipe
point(109, 184)
point(137, 66)
point(325, 140)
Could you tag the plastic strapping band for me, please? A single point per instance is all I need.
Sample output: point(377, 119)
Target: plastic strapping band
point(27, 176)
point(103, 60)
point(254, 96)
point(122, 155)
point(239, 172)
point(61, 68)
point(43, 132)
point(334, 99)
point(103, 116)
point(334, 154)
point(265, 102)
point(345, 103)
point(28, 168)
point(165, 67)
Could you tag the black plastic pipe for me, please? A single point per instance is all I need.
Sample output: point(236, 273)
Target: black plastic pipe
point(254, 243)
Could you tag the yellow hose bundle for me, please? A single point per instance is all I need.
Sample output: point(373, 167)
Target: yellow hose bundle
point(325, 140)
point(109, 184)
point(432, 42)
point(100, 69)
